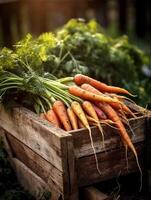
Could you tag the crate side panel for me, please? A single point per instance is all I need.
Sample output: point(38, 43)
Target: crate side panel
point(41, 137)
point(111, 163)
point(81, 139)
point(36, 163)
point(31, 182)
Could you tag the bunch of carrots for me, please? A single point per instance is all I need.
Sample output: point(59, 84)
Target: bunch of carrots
point(96, 103)
point(75, 102)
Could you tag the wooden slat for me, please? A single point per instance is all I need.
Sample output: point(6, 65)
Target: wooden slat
point(82, 144)
point(111, 164)
point(72, 170)
point(44, 139)
point(36, 163)
point(91, 193)
point(68, 155)
point(31, 182)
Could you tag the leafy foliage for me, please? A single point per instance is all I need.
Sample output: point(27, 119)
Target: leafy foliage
point(80, 47)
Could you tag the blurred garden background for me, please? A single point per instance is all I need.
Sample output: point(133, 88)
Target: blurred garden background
point(18, 17)
point(116, 18)
point(125, 40)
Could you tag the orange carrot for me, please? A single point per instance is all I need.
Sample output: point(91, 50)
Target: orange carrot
point(79, 79)
point(123, 107)
point(112, 115)
point(84, 94)
point(73, 118)
point(122, 131)
point(81, 115)
point(113, 104)
point(61, 113)
point(104, 107)
point(110, 112)
point(52, 117)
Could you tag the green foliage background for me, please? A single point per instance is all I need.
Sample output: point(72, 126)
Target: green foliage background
point(80, 47)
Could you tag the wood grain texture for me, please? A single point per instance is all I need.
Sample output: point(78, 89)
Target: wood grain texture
point(111, 164)
point(30, 181)
point(44, 140)
point(72, 168)
point(82, 144)
point(65, 160)
point(40, 136)
point(33, 183)
point(41, 167)
point(45, 170)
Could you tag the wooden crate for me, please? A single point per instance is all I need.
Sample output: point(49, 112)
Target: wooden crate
point(61, 161)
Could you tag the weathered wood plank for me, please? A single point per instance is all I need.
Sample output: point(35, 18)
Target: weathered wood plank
point(65, 160)
point(41, 167)
point(82, 144)
point(26, 176)
point(56, 180)
point(44, 139)
point(91, 193)
point(66, 179)
point(111, 164)
point(30, 181)
point(72, 168)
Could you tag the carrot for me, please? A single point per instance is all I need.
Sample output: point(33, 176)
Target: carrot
point(79, 79)
point(95, 91)
point(123, 107)
point(99, 112)
point(77, 91)
point(90, 88)
point(81, 115)
point(113, 104)
point(61, 113)
point(115, 118)
point(110, 112)
point(90, 119)
point(52, 117)
point(122, 131)
point(76, 107)
point(42, 116)
point(73, 118)
point(91, 111)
